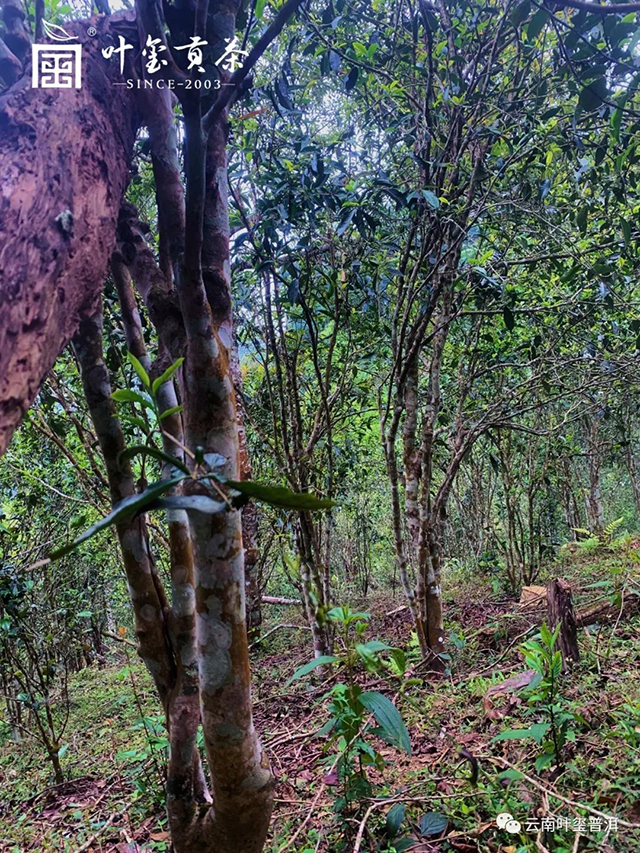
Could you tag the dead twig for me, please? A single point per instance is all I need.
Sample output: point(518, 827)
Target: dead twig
point(120, 639)
point(551, 793)
point(316, 799)
point(90, 841)
point(277, 628)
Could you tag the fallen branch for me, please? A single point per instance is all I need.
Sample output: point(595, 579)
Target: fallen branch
point(277, 628)
point(606, 610)
point(397, 610)
point(272, 599)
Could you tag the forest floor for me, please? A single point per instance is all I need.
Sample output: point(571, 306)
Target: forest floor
point(116, 742)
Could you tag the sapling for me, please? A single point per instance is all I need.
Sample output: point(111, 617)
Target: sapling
point(350, 707)
point(545, 696)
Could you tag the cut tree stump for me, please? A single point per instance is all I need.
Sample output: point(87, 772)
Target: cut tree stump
point(560, 611)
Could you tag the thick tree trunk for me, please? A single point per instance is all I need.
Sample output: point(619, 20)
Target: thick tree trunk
point(64, 158)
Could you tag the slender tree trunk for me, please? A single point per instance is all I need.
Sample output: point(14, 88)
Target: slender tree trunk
point(148, 600)
point(250, 518)
point(242, 781)
point(594, 505)
point(569, 502)
point(632, 468)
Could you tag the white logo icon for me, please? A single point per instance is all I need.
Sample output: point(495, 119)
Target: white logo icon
point(56, 66)
point(55, 32)
point(506, 821)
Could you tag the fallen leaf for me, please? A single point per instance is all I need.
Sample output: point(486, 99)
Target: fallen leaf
point(633, 815)
point(331, 778)
point(511, 685)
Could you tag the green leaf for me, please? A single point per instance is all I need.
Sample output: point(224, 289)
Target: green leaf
point(122, 511)
point(543, 761)
point(545, 634)
point(535, 681)
point(433, 823)
point(537, 732)
point(139, 422)
point(520, 13)
point(260, 4)
point(512, 734)
point(509, 319)
point(593, 94)
point(405, 843)
point(616, 120)
point(511, 774)
point(581, 219)
point(395, 816)
point(626, 231)
point(126, 395)
point(327, 727)
point(346, 221)
point(399, 660)
point(388, 718)
point(352, 79)
point(536, 24)
point(598, 585)
point(431, 199)
point(166, 376)
point(143, 376)
point(633, 43)
point(338, 614)
point(193, 503)
point(174, 410)
point(149, 450)
point(323, 660)
point(85, 614)
point(374, 646)
point(280, 495)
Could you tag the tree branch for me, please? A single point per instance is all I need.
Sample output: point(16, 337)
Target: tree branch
point(240, 74)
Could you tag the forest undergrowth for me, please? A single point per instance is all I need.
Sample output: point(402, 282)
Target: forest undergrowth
point(446, 795)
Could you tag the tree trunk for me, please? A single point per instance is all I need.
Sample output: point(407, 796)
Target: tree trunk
point(250, 517)
point(560, 611)
point(594, 505)
point(54, 757)
point(69, 192)
point(150, 608)
point(632, 467)
point(242, 780)
point(429, 593)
